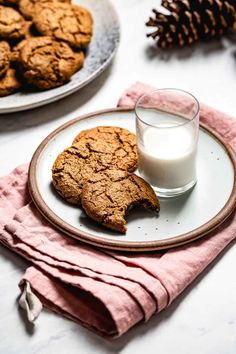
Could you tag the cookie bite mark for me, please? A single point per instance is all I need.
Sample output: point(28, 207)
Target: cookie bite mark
point(65, 22)
point(108, 196)
point(12, 24)
point(5, 57)
point(46, 63)
point(9, 83)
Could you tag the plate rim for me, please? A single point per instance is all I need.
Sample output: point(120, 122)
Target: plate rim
point(62, 95)
point(133, 246)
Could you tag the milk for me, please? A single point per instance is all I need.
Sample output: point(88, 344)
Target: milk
point(167, 155)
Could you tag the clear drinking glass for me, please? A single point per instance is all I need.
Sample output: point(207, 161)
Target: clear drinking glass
point(167, 124)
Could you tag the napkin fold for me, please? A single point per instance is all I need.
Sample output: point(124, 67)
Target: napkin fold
point(105, 291)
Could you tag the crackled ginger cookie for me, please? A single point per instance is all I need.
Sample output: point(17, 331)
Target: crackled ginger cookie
point(107, 197)
point(9, 83)
point(108, 139)
point(26, 7)
point(88, 156)
point(12, 24)
point(46, 63)
point(5, 56)
point(65, 22)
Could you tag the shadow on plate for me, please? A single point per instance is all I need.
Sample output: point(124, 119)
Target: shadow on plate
point(175, 204)
point(135, 213)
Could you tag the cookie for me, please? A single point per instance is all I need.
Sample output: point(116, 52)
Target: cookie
point(5, 56)
point(74, 165)
point(113, 140)
point(12, 24)
point(65, 22)
point(26, 7)
point(107, 197)
point(9, 83)
point(46, 63)
point(94, 150)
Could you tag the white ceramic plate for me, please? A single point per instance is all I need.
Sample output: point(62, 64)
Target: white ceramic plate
point(181, 219)
point(99, 54)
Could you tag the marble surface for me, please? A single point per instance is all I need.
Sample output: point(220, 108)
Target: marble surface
point(203, 319)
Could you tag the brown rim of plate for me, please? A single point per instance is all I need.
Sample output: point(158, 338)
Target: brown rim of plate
point(124, 245)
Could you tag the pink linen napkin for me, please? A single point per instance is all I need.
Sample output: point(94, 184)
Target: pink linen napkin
point(108, 292)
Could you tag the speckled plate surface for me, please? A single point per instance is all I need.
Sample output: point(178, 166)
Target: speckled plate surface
point(181, 219)
point(99, 54)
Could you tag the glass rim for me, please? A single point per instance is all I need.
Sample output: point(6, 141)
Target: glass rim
point(167, 89)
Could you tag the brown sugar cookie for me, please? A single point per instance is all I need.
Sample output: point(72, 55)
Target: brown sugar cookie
point(107, 197)
point(65, 22)
point(5, 56)
point(12, 24)
point(9, 83)
point(73, 166)
point(26, 7)
point(46, 63)
point(96, 150)
point(113, 140)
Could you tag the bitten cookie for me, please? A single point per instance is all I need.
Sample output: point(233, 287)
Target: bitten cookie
point(46, 63)
point(12, 24)
point(5, 57)
point(113, 140)
point(107, 197)
point(65, 22)
point(9, 83)
point(26, 7)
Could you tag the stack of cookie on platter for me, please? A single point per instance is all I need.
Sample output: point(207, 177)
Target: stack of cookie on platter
point(95, 172)
point(42, 43)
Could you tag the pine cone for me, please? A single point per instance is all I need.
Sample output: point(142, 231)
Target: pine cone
point(191, 20)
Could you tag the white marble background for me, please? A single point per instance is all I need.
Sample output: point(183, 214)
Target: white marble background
point(203, 319)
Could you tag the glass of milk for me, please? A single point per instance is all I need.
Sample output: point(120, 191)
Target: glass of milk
point(167, 124)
